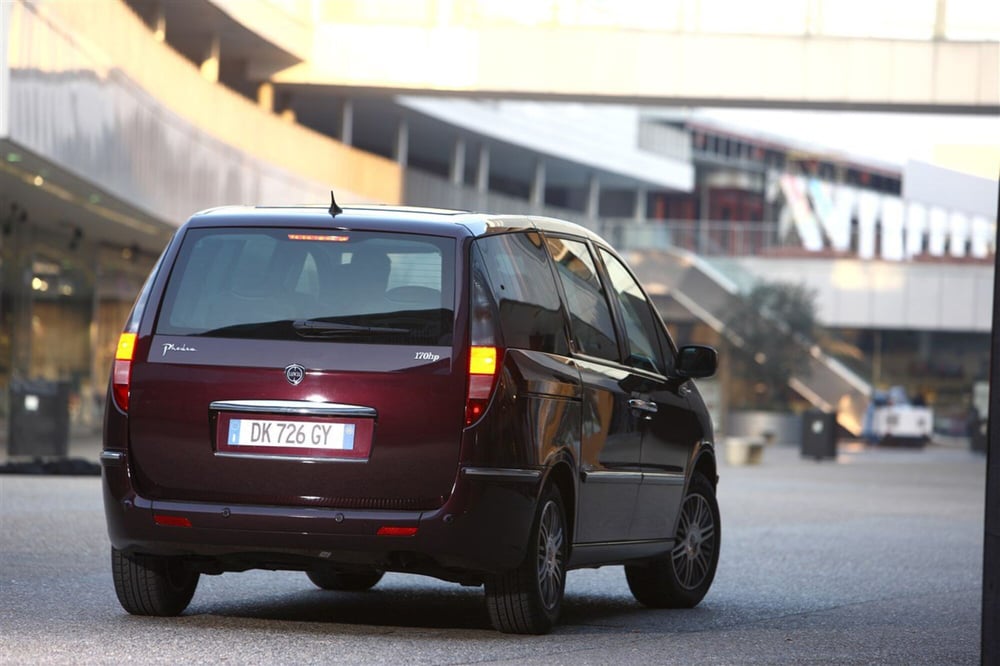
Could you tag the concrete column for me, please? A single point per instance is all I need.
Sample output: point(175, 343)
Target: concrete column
point(6, 9)
point(347, 122)
point(265, 96)
point(457, 169)
point(703, 217)
point(402, 143)
point(16, 270)
point(689, 16)
point(210, 61)
point(925, 345)
point(537, 195)
point(483, 169)
point(877, 358)
point(639, 210)
point(593, 209)
point(159, 23)
point(941, 19)
point(814, 17)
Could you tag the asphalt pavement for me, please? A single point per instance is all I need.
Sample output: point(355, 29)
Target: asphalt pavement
point(875, 558)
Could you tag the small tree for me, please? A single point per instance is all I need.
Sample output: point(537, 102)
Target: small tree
point(771, 330)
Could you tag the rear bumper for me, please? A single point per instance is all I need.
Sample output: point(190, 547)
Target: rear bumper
point(482, 528)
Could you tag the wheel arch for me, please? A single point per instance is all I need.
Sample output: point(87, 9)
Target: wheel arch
point(560, 475)
point(706, 464)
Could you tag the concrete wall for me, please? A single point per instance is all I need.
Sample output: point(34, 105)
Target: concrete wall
point(546, 50)
point(935, 186)
point(91, 91)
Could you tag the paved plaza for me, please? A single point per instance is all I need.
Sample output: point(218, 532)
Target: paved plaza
point(873, 558)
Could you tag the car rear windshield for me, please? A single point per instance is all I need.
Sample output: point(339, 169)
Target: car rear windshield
point(301, 284)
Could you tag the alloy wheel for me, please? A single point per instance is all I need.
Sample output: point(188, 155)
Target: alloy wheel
point(551, 567)
point(692, 556)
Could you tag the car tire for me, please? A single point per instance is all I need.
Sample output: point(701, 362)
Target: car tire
point(681, 578)
point(528, 599)
point(345, 582)
point(152, 585)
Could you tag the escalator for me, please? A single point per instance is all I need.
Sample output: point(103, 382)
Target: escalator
point(710, 295)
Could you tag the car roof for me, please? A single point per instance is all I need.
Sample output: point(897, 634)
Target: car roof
point(372, 217)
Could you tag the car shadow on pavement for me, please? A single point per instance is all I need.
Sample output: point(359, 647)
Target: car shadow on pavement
point(52, 467)
point(423, 609)
point(460, 608)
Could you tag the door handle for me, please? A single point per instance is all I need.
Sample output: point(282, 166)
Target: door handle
point(643, 405)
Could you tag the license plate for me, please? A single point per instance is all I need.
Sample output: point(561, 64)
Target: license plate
point(259, 432)
point(328, 438)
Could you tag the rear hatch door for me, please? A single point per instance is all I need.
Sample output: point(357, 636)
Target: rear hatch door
point(302, 367)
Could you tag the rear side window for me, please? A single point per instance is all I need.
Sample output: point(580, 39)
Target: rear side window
point(312, 285)
point(588, 307)
point(522, 286)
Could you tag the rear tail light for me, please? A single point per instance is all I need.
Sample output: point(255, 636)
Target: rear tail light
point(121, 374)
point(483, 363)
point(484, 354)
point(121, 371)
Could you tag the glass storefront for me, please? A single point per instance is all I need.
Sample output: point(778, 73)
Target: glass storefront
point(63, 301)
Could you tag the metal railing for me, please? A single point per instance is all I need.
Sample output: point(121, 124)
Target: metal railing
point(705, 238)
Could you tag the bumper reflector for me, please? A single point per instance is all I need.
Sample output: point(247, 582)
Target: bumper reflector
point(388, 530)
point(171, 521)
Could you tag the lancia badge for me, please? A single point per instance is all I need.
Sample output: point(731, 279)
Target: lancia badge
point(295, 373)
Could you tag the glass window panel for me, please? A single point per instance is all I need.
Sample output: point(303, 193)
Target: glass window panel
point(259, 282)
point(590, 314)
point(525, 292)
point(637, 313)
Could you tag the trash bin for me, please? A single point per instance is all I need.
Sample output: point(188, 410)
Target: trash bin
point(819, 435)
point(38, 423)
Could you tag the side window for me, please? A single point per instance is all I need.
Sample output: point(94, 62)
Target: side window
point(525, 293)
point(637, 312)
point(588, 308)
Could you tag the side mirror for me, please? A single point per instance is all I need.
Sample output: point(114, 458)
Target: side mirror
point(694, 361)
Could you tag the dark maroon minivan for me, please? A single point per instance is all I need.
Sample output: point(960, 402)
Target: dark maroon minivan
point(490, 400)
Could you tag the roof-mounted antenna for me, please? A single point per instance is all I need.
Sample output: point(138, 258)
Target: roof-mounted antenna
point(335, 210)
